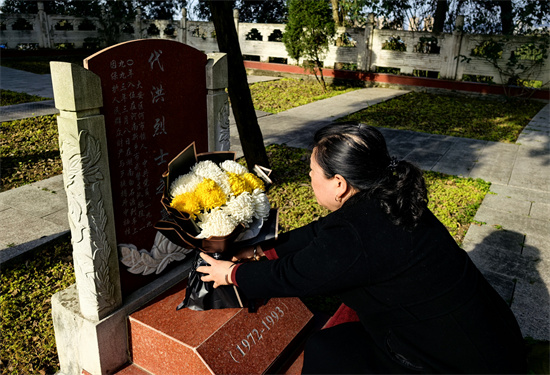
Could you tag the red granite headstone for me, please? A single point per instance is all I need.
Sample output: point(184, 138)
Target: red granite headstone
point(229, 341)
point(154, 94)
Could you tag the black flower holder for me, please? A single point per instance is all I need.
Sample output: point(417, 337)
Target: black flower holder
point(181, 229)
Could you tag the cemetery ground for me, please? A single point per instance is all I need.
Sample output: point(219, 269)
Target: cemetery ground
point(28, 345)
point(33, 150)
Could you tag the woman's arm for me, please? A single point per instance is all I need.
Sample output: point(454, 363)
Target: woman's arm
point(287, 243)
point(297, 239)
point(332, 261)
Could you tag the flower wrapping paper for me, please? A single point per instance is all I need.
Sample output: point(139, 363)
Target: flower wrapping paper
point(182, 229)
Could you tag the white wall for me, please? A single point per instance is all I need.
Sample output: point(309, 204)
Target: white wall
point(366, 51)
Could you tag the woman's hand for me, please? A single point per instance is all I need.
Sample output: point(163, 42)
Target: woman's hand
point(244, 253)
point(248, 253)
point(219, 271)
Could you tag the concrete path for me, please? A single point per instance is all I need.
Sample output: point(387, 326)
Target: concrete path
point(41, 85)
point(511, 246)
point(30, 83)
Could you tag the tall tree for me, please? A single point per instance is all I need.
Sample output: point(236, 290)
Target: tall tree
point(78, 8)
point(113, 17)
point(239, 93)
point(440, 14)
point(260, 11)
point(352, 13)
point(337, 13)
point(308, 31)
point(161, 10)
point(506, 16)
point(50, 7)
point(501, 16)
point(531, 15)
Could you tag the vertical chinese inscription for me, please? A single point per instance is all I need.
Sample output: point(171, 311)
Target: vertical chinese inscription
point(154, 105)
point(131, 137)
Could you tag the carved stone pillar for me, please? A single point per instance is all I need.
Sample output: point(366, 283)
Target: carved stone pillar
point(83, 147)
point(137, 24)
point(88, 335)
point(217, 102)
point(236, 19)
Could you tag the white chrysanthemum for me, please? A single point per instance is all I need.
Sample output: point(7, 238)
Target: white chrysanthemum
point(216, 223)
point(260, 204)
point(207, 169)
point(233, 167)
point(184, 184)
point(241, 208)
point(223, 181)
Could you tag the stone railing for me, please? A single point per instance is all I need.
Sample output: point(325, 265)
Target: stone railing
point(371, 48)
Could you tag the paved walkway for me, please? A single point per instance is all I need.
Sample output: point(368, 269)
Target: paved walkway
point(512, 246)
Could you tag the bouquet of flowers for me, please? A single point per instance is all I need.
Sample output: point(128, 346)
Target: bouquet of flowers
point(212, 202)
point(220, 197)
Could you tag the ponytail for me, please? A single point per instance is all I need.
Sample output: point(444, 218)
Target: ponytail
point(402, 194)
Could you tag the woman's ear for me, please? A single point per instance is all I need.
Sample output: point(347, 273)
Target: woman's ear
point(341, 185)
point(343, 189)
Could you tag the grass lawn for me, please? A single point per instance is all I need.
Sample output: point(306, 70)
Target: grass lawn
point(457, 116)
point(25, 160)
point(29, 149)
point(40, 64)
point(8, 97)
point(30, 152)
point(286, 93)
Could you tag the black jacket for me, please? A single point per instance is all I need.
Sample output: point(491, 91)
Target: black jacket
point(417, 293)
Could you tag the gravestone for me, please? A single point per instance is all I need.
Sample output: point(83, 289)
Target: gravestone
point(154, 105)
point(122, 119)
point(149, 98)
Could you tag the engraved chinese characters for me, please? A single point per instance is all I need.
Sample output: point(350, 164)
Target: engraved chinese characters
point(154, 94)
point(131, 137)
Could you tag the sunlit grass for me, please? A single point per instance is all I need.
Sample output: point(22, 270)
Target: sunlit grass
point(29, 149)
point(8, 97)
point(283, 94)
point(459, 116)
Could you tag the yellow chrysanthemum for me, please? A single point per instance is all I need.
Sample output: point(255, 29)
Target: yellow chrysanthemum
point(238, 183)
point(188, 203)
point(253, 182)
point(210, 194)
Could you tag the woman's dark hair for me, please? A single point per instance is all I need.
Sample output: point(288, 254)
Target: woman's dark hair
point(359, 153)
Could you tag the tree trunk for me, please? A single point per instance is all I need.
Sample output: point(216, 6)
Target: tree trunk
point(506, 16)
point(336, 14)
point(439, 16)
point(239, 93)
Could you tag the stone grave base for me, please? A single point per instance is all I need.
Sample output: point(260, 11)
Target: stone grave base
point(228, 341)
